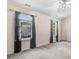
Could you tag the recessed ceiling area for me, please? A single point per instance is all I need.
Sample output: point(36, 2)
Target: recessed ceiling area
point(49, 7)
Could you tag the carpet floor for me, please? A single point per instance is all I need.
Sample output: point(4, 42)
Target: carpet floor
point(59, 50)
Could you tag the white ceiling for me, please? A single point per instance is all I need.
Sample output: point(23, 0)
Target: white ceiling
point(49, 7)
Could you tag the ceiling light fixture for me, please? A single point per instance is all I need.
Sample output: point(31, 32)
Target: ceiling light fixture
point(64, 4)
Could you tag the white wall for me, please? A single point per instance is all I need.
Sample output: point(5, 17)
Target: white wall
point(25, 45)
point(42, 30)
point(66, 29)
point(10, 32)
point(42, 22)
point(59, 29)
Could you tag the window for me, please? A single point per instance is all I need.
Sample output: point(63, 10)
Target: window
point(53, 28)
point(25, 26)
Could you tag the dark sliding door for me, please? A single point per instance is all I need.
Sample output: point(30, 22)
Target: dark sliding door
point(51, 31)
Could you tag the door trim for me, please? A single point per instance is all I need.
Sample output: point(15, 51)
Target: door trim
point(17, 41)
point(33, 40)
point(57, 32)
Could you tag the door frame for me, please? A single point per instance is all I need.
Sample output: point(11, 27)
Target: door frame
point(51, 31)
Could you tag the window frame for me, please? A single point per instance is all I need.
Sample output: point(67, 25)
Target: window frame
point(27, 38)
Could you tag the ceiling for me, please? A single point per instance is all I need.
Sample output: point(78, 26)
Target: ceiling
point(49, 7)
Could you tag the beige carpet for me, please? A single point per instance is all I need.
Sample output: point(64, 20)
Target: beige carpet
point(59, 50)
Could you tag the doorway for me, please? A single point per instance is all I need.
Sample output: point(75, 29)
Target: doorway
point(54, 31)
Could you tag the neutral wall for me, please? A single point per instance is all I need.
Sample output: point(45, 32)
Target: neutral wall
point(59, 30)
point(66, 29)
point(25, 45)
point(42, 22)
point(42, 30)
point(10, 32)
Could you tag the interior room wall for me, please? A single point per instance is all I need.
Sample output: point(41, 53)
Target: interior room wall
point(42, 30)
point(66, 29)
point(10, 32)
point(59, 30)
point(42, 22)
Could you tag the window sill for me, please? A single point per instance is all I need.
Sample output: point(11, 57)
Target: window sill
point(25, 39)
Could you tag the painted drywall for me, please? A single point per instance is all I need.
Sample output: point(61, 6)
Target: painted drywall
point(43, 30)
point(25, 45)
point(10, 32)
point(42, 22)
point(66, 29)
point(59, 30)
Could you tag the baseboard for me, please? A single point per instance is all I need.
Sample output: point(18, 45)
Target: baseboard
point(64, 41)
